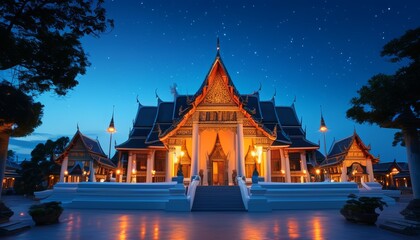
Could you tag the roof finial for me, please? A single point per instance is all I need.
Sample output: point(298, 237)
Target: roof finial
point(218, 46)
point(111, 127)
point(323, 126)
point(174, 90)
point(157, 97)
point(77, 126)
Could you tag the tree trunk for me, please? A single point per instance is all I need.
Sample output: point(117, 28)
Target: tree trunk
point(412, 144)
point(4, 144)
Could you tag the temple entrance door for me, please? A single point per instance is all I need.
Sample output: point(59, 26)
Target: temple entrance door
point(217, 165)
point(218, 169)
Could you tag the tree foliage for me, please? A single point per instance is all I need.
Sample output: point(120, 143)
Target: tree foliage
point(19, 109)
point(41, 51)
point(34, 173)
point(41, 41)
point(393, 101)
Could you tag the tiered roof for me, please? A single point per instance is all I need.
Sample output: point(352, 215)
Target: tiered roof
point(340, 149)
point(93, 148)
point(387, 167)
point(153, 125)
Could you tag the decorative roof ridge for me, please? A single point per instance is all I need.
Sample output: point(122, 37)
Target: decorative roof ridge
point(273, 98)
point(157, 97)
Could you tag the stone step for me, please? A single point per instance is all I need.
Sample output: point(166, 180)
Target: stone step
point(399, 226)
point(218, 198)
point(13, 227)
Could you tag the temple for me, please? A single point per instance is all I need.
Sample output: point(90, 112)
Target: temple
point(83, 160)
point(218, 134)
point(349, 160)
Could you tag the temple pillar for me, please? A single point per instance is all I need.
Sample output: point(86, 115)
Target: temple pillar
point(240, 152)
point(150, 166)
point(170, 165)
point(344, 173)
point(369, 170)
point(287, 167)
point(92, 177)
point(195, 149)
point(64, 165)
point(304, 165)
point(283, 164)
point(129, 167)
point(267, 162)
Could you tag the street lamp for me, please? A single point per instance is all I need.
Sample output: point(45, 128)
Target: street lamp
point(317, 171)
point(133, 178)
point(117, 174)
point(323, 128)
point(66, 173)
point(153, 175)
point(111, 130)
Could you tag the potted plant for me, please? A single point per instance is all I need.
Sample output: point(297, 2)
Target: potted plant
point(362, 209)
point(46, 213)
point(5, 213)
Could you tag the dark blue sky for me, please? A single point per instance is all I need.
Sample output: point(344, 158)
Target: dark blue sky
point(319, 52)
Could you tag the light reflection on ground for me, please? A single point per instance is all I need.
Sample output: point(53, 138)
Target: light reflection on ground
point(127, 224)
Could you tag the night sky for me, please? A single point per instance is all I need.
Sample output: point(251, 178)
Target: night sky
point(317, 52)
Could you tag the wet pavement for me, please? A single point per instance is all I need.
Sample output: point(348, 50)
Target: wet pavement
point(129, 224)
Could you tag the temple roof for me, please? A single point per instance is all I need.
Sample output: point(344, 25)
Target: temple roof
point(292, 127)
point(340, 149)
point(93, 148)
point(155, 124)
point(387, 167)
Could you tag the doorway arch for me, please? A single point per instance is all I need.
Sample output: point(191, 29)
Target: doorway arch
point(218, 165)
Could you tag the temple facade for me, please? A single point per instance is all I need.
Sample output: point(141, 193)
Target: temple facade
point(349, 160)
point(218, 134)
point(83, 160)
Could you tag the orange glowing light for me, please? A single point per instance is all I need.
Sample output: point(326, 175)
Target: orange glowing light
point(111, 130)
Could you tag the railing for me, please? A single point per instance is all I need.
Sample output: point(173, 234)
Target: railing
point(244, 191)
point(195, 181)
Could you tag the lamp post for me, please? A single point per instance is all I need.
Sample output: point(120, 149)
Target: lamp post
point(323, 128)
point(111, 130)
point(153, 175)
point(317, 171)
point(117, 175)
point(66, 173)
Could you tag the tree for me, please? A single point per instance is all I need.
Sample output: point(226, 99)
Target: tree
point(41, 52)
point(34, 173)
point(11, 155)
point(393, 101)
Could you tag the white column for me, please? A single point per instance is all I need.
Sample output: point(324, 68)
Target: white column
point(92, 177)
point(240, 153)
point(283, 162)
point(288, 176)
point(195, 149)
point(304, 165)
point(170, 164)
point(64, 165)
point(344, 173)
point(369, 170)
point(267, 163)
point(129, 167)
point(150, 166)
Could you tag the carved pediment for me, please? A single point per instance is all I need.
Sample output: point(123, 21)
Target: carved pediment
point(218, 92)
